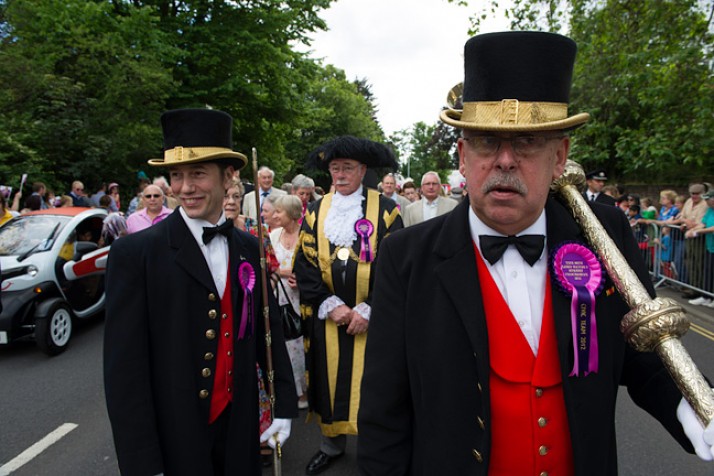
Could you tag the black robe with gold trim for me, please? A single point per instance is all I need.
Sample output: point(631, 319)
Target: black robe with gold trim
point(334, 358)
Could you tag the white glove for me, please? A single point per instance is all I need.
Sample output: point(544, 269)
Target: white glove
point(280, 428)
point(703, 440)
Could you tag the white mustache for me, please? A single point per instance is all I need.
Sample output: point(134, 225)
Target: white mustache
point(504, 180)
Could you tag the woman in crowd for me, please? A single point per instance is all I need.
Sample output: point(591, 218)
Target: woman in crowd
point(288, 212)
point(114, 193)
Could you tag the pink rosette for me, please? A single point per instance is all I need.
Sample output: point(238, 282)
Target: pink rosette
point(246, 278)
point(364, 229)
point(579, 274)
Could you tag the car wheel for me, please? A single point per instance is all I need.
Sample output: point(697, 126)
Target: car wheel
point(54, 331)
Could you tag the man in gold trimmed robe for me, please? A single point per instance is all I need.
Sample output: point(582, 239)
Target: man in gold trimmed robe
point(334, 266)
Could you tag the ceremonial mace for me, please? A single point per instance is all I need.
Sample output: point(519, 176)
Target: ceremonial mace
point(652, 324)
point(277, 454)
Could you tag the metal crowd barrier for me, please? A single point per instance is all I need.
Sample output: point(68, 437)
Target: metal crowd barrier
point(672, 259)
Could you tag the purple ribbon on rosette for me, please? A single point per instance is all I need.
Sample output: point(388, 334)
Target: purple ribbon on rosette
point(580, 275)
point(364, 229)
point(246, 278)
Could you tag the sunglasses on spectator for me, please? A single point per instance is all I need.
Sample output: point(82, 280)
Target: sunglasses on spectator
point(154, 195)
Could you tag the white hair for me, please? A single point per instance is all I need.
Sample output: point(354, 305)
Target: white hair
point(431, 172)
point(265, 168)
point(302, 181)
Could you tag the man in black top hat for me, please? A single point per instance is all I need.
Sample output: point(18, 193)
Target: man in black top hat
point(339, 242)
point(184, 329)
point(472, 365)
point(595, 181)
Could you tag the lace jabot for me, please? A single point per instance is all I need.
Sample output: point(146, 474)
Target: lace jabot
point(342, 216)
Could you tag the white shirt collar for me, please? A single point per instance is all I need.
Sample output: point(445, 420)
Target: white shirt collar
point(195, 225)
point(478, 227)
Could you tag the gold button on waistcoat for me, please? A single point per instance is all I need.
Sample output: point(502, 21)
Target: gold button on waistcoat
point(224, 316)
point(538, 392)
point(543, 450)
point(208, 356)
point(210, 334)
point(211, 297)
point(227, 334)
point(212, 314)
point(542, 422)
point(481, 423)
point(206, 372)
point(544, 473)
point(203, 393)
point(477, 455)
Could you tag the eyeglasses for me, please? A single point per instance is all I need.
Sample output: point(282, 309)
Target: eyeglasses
point(155, 195)
point(348, 169)
point(522, 146)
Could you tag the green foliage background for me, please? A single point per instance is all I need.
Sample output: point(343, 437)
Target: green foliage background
point(85, 81)
point(643, 72)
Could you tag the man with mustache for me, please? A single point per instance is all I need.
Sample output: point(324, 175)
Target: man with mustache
point(472, 364)
point(339, 241)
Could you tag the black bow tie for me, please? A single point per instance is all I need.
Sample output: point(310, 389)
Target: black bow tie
point(210, 231)
point(529, 246)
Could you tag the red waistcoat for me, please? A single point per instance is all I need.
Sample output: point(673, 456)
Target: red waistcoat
point(223, 379)
point(529, 425)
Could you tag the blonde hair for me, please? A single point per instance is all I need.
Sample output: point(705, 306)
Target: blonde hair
point(290, 204)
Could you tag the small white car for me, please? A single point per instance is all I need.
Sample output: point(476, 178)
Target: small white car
point(52, 272)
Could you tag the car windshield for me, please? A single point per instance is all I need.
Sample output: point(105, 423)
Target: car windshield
point(26, 233)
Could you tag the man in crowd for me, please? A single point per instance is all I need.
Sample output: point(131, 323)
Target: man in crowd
point(595, 181)
point(170, 201)
point(431, 204)
point(471, 365)
point(339, 241)
point(389, 190)
point(79, 198)
point(265, 188)
point(151, 213)
point(691, 216)
point(184, 330)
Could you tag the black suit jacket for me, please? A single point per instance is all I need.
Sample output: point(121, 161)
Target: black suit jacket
point(603, 198)
point(160, 295)
point(426, 380)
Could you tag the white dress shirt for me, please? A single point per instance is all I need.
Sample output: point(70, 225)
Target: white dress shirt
point(522, 286)
point(215, 252)
point(430, 208)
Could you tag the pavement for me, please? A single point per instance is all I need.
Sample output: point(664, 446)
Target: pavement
point(701, 314)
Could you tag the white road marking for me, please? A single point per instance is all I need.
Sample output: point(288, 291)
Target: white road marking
point(34, 450)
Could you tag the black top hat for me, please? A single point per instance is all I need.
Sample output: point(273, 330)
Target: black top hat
point(596, 174)
point(516, 81)
point(370, 153)
point(198, 135)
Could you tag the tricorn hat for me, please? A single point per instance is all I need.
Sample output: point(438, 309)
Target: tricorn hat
point(516, 81)
point(198, 135)
point(372, 154)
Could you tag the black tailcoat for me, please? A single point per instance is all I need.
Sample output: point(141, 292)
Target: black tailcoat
point(425, 390)
point(161, 302)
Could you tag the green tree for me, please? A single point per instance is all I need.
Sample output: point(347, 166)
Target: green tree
point(426, 147)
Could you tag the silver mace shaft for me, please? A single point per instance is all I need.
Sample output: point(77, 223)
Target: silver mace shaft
point(652, 324)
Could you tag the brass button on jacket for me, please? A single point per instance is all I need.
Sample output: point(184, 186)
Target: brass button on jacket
point(212, 314)
point(210, 334)
point(477, 455)
point(208, 356)
point(211, 297)
point(203, 393)
point(206, 372)
point(481, 423)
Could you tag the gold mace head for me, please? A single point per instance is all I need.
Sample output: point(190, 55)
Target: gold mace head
point(572, 175)
point(649, 323)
